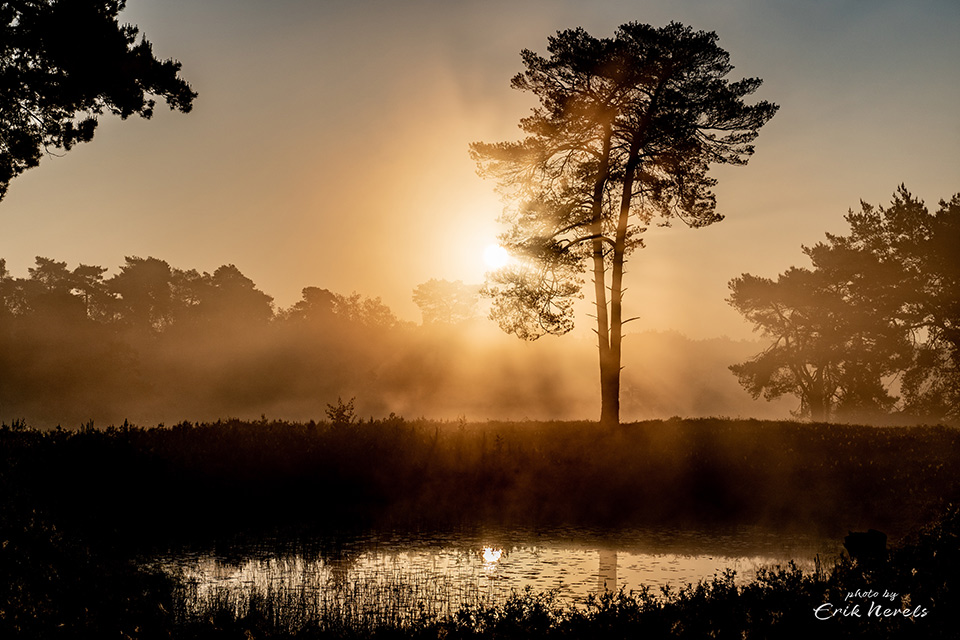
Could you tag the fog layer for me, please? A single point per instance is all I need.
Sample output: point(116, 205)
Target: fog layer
point(156, 344)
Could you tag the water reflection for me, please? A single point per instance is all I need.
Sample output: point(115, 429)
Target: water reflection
point(607, 574)
point(442, 572)
point(491, 556)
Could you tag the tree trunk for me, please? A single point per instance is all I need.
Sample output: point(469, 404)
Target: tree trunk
point(610, 362)
point(819, 402)
point(609, 389)
point(817, 410)
point(609, 370)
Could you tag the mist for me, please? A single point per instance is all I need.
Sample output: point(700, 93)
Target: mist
point(156, 344)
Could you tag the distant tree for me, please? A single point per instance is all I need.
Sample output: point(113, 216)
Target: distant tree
point(188, 288)
point(880, 304)
point(51, 275)
point(63, 64)
point(315, 305)
point(321, 307)
point(52, 288)
point(89, 285)
point(7, 288)
point(626, 132)
point(832, 355)
point(49, 292)
point(231, 295)
point(916, 249)
point(145, 294)
point(364, 312)
point(445, 302)
point(224, 299)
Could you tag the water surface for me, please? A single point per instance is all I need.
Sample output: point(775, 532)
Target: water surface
point(439, 572)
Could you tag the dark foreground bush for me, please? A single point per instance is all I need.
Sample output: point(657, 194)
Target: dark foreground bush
point(54, 586)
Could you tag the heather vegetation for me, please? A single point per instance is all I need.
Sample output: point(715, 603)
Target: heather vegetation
point(134, 484)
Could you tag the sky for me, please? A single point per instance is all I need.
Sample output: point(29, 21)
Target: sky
point(329, 144)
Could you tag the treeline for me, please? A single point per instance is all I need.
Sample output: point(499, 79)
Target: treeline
point(77, 345)
point(872, 328)
point(153, 343)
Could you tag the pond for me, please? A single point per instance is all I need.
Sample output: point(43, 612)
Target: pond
point(437, 573)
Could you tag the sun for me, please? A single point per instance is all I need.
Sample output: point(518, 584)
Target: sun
point(495, 256)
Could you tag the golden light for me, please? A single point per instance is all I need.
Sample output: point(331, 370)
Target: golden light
point(495, 256)
point(491, 555)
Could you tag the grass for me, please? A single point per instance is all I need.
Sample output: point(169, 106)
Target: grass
point(384, 600)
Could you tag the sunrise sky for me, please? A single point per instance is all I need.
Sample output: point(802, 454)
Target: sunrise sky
point(328, 145)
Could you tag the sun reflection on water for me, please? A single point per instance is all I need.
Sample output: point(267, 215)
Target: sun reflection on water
point(491, 556)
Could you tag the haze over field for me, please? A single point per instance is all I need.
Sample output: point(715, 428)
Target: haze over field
point(328, 146)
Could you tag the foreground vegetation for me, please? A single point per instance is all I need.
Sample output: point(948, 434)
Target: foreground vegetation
point(77, 505)
point(59, 588)
point(143, 485)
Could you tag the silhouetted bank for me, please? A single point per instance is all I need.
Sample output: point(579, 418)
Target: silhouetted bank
point(140, 486)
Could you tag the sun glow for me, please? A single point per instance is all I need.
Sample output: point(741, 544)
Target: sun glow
point(495, 256)
point(491, 555)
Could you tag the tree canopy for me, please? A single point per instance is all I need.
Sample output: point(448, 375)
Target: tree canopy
point(625, 134)
point(873, 326)
point(63, 64)
point(445, 302)
point(829, 353)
